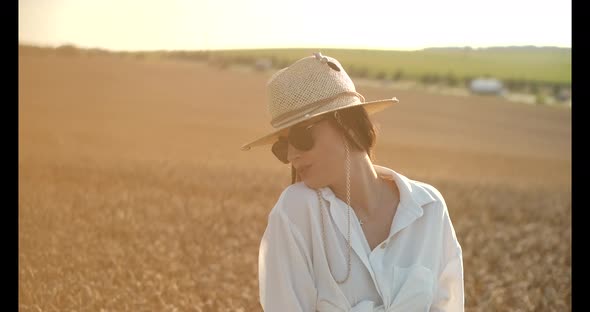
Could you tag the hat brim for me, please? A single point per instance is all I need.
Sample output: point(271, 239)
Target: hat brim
point(371, 108)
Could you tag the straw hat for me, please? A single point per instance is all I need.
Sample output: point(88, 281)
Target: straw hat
point(310, 87)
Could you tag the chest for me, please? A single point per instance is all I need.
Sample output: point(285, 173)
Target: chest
point(377, 229)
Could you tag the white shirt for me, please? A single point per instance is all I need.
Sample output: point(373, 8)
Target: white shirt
point(419, 267)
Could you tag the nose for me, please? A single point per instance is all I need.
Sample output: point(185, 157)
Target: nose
point(292, 153)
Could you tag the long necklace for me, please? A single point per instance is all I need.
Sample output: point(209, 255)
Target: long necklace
point(348, 209)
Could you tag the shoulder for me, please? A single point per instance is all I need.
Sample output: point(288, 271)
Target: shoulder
point(422, 193)
point(440, 221)
point(431, 190)
point(296, 203)
point(293, 196)
point(438, 218)
point(429, 198)
point(296, 190)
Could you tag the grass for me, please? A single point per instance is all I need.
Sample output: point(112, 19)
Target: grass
point(549, 65)
point(515, 65)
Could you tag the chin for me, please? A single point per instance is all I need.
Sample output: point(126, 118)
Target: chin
point(313, 184)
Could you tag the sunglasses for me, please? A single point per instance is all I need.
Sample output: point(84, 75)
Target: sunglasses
point(299, 136)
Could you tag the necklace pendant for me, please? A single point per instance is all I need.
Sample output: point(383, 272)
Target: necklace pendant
point(361, 221)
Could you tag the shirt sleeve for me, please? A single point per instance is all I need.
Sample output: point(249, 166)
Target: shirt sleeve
point(449, 293)
point(284, 264)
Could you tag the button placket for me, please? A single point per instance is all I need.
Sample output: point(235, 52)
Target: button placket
point(381, 275)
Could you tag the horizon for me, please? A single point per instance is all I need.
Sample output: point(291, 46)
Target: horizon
point(54, 46)
point(134, 25)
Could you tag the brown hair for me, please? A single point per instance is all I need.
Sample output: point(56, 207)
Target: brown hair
point(358, 129)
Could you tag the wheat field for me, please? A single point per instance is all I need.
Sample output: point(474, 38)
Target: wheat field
point(135, 196)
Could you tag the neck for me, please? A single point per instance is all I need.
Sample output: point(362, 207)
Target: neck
point(365, 185)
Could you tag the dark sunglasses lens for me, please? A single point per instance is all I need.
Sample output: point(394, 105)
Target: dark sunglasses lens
point(279, 149)
point(301, 138)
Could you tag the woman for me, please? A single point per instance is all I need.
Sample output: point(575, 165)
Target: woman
point(348, 235)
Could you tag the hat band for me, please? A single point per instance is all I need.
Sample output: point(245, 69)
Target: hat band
point(291, 115)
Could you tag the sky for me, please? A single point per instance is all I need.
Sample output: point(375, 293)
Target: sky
point(243, 24)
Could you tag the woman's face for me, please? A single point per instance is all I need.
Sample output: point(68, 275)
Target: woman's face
point(324, 162)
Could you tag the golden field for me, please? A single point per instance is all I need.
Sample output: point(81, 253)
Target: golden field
point(135, 196)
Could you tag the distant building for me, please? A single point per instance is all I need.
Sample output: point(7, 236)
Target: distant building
point(263, 64)
point(487, 86)
point(563, 95)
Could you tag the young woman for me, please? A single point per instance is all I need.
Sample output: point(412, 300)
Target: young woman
point(347, 234)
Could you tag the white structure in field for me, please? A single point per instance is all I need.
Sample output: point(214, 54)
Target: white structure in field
point(263, 64)
point(487, 86)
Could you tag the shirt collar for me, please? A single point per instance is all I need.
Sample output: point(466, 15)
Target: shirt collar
point(412, 198)
point(412, 195)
